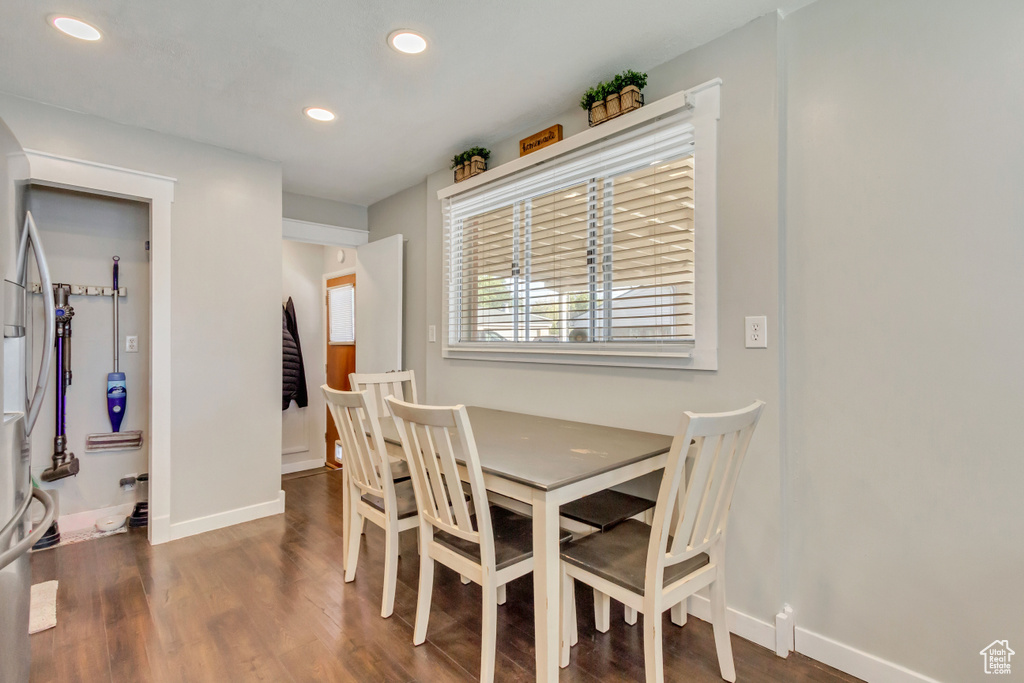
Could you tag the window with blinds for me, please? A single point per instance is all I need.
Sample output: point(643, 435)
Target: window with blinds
point(592, 254)
point(341, 313)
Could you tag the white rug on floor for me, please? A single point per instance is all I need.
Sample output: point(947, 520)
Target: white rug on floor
point(43, 612)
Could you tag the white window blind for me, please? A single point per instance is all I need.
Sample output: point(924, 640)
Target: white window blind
point(342, 314)
point(589, 252)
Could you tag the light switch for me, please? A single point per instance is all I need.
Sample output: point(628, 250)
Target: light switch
point(432, 333)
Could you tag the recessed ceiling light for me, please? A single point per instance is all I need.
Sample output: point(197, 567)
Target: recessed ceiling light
point(406, 41)
point(319, 114)
point(75, 28)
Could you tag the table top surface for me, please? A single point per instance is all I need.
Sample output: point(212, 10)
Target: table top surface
point(546, 453)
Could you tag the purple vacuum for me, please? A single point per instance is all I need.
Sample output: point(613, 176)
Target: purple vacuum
point(65, 464)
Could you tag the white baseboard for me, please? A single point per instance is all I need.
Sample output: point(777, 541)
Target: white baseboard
point(743, 625)
point(301, 465)
point(86, 520)
point(159, 529)
point(230, 518)
point(853, 661)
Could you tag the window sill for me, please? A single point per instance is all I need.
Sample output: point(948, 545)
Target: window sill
point(689, 359)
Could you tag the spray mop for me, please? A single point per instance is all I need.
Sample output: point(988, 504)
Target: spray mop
point(117, 400)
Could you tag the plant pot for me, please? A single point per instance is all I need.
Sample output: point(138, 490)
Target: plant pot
point(629, 99)
point(598, 113)
point(460, 173)
point(477, 165)
point(612, 104)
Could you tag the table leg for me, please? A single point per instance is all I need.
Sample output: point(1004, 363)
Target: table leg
point(345, 515)
point(546, 586)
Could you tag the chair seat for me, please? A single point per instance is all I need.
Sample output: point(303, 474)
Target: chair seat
point(404, 496)
point(513, 538)
point(619, 555)
point(605, 509)
point(400, 471)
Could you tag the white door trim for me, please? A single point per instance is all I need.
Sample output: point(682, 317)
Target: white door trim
point(321, 233)
point(157, 191)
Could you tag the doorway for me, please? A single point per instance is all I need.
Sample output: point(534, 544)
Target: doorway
point(339, 312)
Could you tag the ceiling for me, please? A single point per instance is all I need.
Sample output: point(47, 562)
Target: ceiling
point(238, 73)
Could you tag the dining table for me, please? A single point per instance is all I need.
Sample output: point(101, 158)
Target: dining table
point(545, 463)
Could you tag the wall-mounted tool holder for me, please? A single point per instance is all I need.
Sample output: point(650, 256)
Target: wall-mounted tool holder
point(85, 290)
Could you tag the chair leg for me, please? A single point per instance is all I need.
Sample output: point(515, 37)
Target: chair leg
point(629, 615)
point(426, 588)
point(654, 665)
point(602, 611)
point(679, 613)
point(390, 568)
point(501, 594)
point(354, 539)
point(489, 631)
point(723, 643)
point(566, 612)
point(574, 635)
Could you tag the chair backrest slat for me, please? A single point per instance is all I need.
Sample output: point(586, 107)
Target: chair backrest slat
point(434, 439)
point(361, 442)
point(691, 515)
point(401, 385)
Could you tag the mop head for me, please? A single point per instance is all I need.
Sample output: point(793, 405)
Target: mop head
point(113, 441)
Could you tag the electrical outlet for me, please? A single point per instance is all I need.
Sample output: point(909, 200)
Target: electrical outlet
point(756, 332)
point(131, 344)
point(432, 333)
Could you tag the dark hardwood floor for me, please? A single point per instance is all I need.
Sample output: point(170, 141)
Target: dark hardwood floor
point(265, 601)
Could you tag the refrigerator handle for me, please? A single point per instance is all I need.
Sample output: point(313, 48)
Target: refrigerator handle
point(23, 546)
point(36, 402)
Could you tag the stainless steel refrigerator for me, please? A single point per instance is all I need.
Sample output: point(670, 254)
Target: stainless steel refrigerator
point(22, 398)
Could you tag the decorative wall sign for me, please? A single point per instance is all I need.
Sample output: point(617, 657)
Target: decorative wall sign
point(548, 136)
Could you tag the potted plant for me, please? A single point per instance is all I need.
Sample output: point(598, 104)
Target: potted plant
point(632, 83)
point(459, 164)
point(478, 157)
point(618, 96)
point(594, 104)
point(611, 96)
point(470, 163)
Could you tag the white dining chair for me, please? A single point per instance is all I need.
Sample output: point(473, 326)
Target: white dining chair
point(488, 544)
point(372, 492)
point(652, 568)
point(380, 385)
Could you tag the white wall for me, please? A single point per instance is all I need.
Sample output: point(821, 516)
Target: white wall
point(225, 289)
point(302, 431)
point(904, 248)
point(80, 234)
point(316, 210)
point(653, 399)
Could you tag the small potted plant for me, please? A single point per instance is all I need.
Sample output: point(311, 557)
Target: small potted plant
point(611, 96)
point(478, 157)
point(594, 106)
point(470, 163)
point(629, 94)
point(459, 164)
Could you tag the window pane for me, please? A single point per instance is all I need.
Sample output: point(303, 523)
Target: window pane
point(341, 314)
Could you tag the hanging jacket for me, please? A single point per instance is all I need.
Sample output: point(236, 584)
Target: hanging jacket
point(293, 369)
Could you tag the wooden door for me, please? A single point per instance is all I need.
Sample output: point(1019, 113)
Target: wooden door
point(341, 360)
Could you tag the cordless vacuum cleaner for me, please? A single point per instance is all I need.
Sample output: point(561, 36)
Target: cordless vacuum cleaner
point(65, 464)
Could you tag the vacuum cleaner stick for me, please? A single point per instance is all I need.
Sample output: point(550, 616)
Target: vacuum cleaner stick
point(117, 390)
point(65, 464)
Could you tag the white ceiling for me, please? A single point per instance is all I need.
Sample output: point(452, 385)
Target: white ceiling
point(238, 73)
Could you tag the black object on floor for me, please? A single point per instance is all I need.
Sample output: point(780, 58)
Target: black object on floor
point(139, 516)
point(49, 539)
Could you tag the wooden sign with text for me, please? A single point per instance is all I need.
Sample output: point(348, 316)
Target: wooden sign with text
point(548, 136)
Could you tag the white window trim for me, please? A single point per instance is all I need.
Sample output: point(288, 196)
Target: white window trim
point(704, 103)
